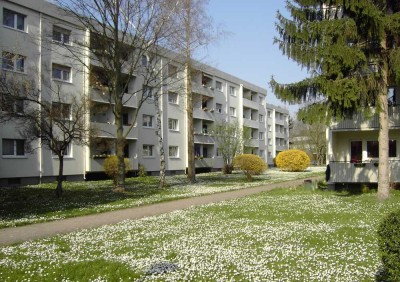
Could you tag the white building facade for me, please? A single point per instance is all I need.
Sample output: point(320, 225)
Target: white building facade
point(31, 36)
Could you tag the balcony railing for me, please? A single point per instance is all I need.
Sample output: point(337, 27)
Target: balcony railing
point(96, 164)
point(250, 104)
point(367, 172)
point(203, 138)
point(108, 130)
point(359, 121)
point(251, 123)
point(203, 90)
point(203, 114)
point(204, 162)
point(98, 95)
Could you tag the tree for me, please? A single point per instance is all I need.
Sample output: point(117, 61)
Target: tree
point(125, 37)
point(231, 138)
point(192, 30)
point(56, 121)
point(350, 49)
point(310, 137)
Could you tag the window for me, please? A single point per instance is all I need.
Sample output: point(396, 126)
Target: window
point(172, 98)
point(355, 151)
point(67, 150)
point(269, 128)
point(172, 71)
point(204, 129)
point(60, 72)
point(13, 19)
point(125, 119)
point(218, 108)
point(232, 91)
point(219, 152)
point(261, 135)
point(269, 155)
point(232, 111)
point(173, 151)
point(126, 151)
point(392, 149)
point(269, 141)
point(147, 92)
point(9, 104)
point(13, 147)
point(262, 153)
point(145, 60)
point(269, 114)
point(147, 121)
point(261, 100)
point(218, 85)
point(372, 149)
point(148, 150)
point(13, 62)
point(173, 124)
point(61, 110)
point(261, 118)
point(61, 35)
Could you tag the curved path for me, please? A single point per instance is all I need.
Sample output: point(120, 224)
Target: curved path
point(47, 229)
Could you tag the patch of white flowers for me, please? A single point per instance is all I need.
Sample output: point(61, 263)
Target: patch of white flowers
point(291, 236)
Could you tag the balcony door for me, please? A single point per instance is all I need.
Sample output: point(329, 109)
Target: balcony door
point(356, 151)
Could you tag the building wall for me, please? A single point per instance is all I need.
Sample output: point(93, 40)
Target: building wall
point(41, 53)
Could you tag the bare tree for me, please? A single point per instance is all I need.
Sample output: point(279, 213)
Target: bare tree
point(231, 139)
point(125, 39)
point(192, 29)
point(58, 122)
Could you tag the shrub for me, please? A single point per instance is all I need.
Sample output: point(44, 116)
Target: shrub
point(111, 167)
point(250, 165)
point(142, 170)
point(389, 246)
point(292, 160)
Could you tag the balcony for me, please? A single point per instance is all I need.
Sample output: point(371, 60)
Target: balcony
point(367, 172)
point(202, 114)
point(360, 122)
point(204, 162)
point(202, 90)
point(96, 164)
point(128, 100)
point(250, 104)
point(251, 123)
point(201, 138)
point(107, 130)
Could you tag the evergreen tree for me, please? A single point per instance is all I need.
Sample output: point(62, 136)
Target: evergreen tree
point(350, 48)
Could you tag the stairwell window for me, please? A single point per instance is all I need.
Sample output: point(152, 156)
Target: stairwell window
point(148, 150)
point(218, 85)
point(218, 108)
point(232, 111)
point(66, 152)
point(61, 35)
point(147, 121)
point(173, 151)
point(261, 118)
point(61, 111)
point(61, 73)
point(147, 92)
point(232, 91)
point(13, 19)
point(173, 124)
point(173, 98)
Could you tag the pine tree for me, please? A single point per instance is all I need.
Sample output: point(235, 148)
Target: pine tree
point(350, 48)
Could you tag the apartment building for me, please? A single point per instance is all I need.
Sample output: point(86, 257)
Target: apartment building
point(32, 34)
point(353, 147)
point(277, 131)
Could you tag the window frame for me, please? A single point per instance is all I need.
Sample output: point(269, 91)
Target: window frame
point(63, 70)
point(62, 115)
point(63, 33)
point(232, 111)
point(68, 149)
point(15, 20)
point(149, 149)
point(176, 152)
point(170, 101)
point(232, 93)
point(219, 83)
point(173, 121)
point(13, 62)
point(15, 148)
point(261, 118)
point(261, 134)
point(151, 121)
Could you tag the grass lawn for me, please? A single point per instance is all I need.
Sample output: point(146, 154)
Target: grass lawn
point(281, 235)
point(33, 204)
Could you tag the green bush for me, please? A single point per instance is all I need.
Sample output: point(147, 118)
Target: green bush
point(389, 247)
point(111, 167)
point(292, 160)
point(142, 171)
point(250, 165)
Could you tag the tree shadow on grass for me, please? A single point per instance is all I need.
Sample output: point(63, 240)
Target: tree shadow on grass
point(78, 198)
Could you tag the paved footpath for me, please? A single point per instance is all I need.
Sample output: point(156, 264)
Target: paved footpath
point(19, 234)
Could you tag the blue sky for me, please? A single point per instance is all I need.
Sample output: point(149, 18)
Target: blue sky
point(248, 51)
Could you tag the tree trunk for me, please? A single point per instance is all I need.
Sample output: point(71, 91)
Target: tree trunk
point(191, 174)
point(160, 142)
point(59, 188)
point(119, 146)
point(383, 168)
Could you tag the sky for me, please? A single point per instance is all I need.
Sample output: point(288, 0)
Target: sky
point(248, 51)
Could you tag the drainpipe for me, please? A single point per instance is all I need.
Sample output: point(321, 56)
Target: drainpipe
point(40, 153)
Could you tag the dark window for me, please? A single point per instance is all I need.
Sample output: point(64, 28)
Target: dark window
point(126, 151)
point(356, 151)
point(125, 119)
point(373, 149)
point(392, 148)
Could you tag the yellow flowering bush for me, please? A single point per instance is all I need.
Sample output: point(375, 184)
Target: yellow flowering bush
point(250, 165)
point(292, 160)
